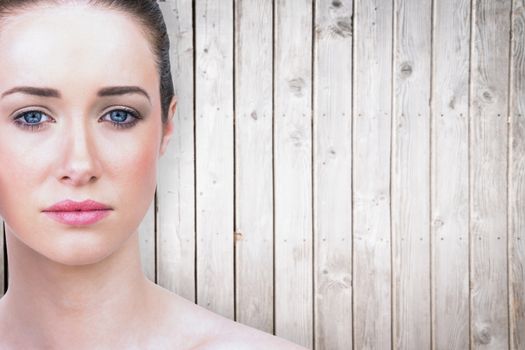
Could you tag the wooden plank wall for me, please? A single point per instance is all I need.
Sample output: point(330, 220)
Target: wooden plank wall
point(371, 174)
point(449, 174)
point(410, 186)
point(332, 166)
point(488, 173)
point(347, 174)
point(516, 185)
point(253, 163)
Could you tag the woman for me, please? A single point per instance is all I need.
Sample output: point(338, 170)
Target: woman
point(86, 103)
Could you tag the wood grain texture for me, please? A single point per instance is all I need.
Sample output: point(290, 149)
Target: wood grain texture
point(348, 174)
point(488, 174)
point(214, 155)
point(146, 235)
point(293, 171)
point(332, 174)
point(517, 180)
point(410, 175)
point(371, 187)
point(449, 175)
point(3, 268)
point(176, 180)
point(254, 171)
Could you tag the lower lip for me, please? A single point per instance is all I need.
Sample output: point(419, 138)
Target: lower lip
point(78, 218)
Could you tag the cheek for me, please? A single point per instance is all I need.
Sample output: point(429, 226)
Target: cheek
point(140, 170)
point(22, 168)
point(140, 159)
point(134, 173)
point(126, 165)
point(30, 169)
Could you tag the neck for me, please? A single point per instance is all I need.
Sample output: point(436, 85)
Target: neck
point(74, 306)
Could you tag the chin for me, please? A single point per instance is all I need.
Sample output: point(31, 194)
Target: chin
point(70, 248)
point(79, 257)
point(84, 248)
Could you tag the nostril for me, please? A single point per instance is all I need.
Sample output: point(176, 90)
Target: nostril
point(78, 179)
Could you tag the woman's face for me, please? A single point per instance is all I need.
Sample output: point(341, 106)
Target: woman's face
point(80, 118)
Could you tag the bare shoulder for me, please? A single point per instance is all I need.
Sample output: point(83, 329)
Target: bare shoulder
point(237, 336)
point(206, 330)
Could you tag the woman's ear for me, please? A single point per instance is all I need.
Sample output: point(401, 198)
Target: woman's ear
point(167, 127)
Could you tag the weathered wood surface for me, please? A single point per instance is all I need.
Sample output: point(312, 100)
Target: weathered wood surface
point(449, 175)
point(410, 175)
point(3, 268)
point(176, 179)
point(146, 232)
point(332, 174)
point(517, 180)
point(293, 170)
point(488, 174)
point(347, 173)
point(371, 174)
point(214, 155)
point(253, 163)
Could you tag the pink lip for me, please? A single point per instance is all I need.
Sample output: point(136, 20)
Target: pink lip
point(83, 213)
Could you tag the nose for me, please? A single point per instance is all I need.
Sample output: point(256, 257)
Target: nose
point(80, 165)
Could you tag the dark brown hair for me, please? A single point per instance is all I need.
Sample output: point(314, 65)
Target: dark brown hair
point(149, 15)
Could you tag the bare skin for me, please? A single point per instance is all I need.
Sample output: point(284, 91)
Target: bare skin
point(61, 314)
point(83, 287)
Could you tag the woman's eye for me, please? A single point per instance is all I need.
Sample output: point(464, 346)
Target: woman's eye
point(33, 120)
point(122, 118)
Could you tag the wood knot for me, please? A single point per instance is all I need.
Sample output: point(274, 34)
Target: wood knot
point(297, 85)
point(336, 4)
point(483, 336)
point(406, 69)
point(487, 96)
point(438, 223)
point(297, 138)
point(342, 27)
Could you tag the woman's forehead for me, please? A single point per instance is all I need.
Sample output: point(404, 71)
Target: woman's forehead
point(67, 44)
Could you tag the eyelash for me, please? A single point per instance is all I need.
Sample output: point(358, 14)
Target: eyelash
point(35, 127)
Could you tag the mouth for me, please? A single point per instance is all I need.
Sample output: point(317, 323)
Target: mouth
point(73, 213)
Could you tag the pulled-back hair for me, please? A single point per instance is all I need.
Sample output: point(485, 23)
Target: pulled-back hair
point(149, 15)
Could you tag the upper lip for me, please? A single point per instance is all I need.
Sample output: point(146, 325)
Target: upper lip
point(69, 205)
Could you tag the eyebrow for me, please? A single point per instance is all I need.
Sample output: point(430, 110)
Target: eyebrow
point(122, 90)
point(29, 90)
point(48, 92)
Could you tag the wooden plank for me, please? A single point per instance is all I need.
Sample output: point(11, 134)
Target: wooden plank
point(3, 268)
point(333, 174)
point(372, 125)
point(410, 177)
point(146, 233)
point(214, 155)
point(176, 181)
point(293, 171)
point(449, 175)
point(488, 173)
point(254, 177)
point(517, 180)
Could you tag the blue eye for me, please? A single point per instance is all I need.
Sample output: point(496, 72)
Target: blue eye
point(123, 118)
point(119, 118)
point(33, 120)
point(33, 117)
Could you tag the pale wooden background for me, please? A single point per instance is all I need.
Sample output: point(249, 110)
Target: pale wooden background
point(348, 174)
